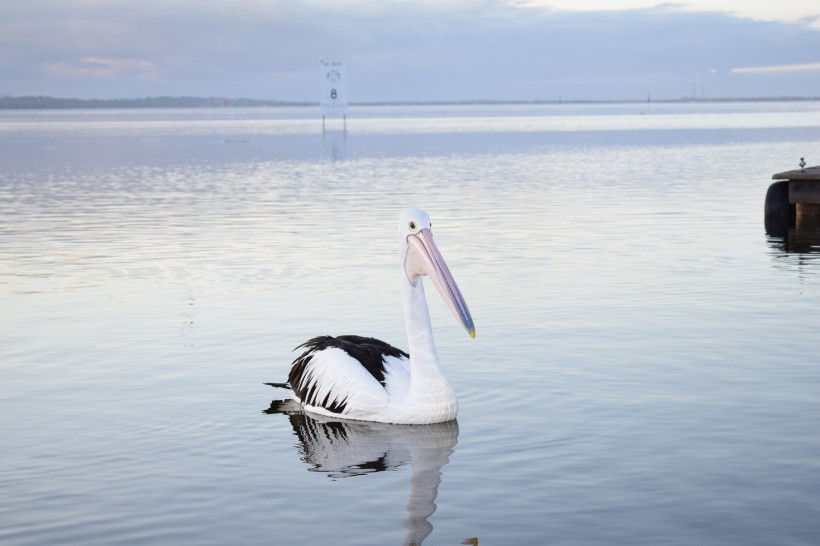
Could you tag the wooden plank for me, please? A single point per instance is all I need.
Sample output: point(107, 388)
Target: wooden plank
point(809, 173)
point(807, 216)
point(804, 191)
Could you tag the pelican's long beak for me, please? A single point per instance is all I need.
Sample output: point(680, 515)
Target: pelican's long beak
point(423, 258)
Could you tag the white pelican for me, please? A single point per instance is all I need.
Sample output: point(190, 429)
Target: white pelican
point(365, 379)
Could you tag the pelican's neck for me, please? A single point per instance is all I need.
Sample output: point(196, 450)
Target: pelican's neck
point(425, 372)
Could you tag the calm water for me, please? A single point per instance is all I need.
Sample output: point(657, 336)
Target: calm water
point(647, 361)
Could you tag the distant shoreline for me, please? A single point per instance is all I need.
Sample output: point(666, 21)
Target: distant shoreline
point(56, 103)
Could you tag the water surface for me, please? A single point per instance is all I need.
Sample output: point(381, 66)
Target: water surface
point(646, 363)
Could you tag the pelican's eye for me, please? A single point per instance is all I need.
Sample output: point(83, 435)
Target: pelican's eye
point(412, 225)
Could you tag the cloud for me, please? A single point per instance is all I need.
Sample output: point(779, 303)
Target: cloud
point(398, 50)
point(807, 67)
point(790, 11)
point(101, 68)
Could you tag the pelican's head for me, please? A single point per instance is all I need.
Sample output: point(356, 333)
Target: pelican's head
point(420, 256)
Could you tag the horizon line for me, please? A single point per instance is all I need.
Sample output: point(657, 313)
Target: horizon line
point(214, 101)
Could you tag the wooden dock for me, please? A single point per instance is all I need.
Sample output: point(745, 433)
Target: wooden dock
point(795, 197)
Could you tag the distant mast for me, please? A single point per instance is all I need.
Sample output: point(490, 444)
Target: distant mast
point(333, 87)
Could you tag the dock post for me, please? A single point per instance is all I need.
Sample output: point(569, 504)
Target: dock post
point(794, 199)
point(778, 212)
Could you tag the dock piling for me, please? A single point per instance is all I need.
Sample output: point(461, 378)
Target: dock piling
point(794, 199)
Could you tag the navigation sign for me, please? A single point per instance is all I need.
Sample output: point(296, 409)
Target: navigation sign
point(334, 88)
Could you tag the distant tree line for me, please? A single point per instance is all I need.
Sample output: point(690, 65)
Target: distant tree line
point(40, 102)
point(44, 102)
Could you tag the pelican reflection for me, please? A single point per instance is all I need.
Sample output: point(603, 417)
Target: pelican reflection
point(343, 449)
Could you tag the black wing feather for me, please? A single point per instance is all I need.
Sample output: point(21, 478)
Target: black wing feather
point(370, 352)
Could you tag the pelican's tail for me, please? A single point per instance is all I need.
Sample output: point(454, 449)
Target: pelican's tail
point(279, 385)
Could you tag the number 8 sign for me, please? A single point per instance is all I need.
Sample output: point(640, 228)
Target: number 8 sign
point(333, 83)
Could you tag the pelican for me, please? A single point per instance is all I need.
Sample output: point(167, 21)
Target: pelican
point(365, 379)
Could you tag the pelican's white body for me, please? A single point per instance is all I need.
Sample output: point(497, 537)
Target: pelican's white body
point(415, 390)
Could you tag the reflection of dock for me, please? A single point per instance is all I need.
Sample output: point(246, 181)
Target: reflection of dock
point(795, 240)
point(794, 200)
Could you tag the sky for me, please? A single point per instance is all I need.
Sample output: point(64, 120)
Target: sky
point(411, 50)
